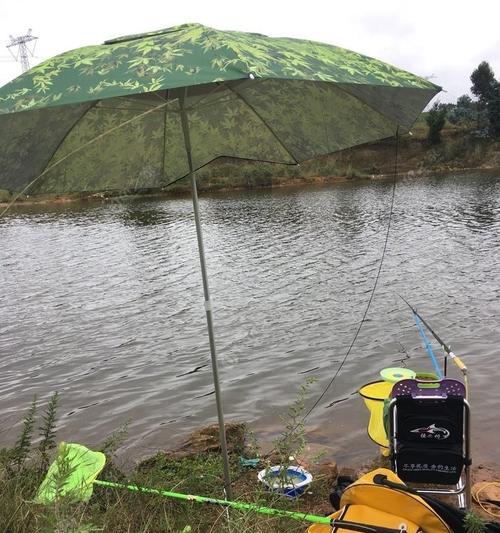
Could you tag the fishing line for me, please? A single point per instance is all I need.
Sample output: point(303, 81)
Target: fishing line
point(370, 300)
point(266, 456)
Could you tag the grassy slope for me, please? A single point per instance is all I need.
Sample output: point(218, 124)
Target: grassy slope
point(193, 469)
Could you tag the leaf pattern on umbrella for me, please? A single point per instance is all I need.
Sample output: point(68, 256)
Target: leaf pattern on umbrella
point(173, 57)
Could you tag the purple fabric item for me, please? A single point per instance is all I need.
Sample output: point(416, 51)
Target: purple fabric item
point(415, 388)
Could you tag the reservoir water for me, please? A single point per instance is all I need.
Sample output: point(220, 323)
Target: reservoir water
point(104, 303)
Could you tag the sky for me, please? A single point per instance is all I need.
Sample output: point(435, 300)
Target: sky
point(441, 40)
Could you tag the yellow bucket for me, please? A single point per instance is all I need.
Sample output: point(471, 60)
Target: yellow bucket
point(374, 395)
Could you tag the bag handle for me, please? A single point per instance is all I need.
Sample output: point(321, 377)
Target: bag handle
point(381, 479)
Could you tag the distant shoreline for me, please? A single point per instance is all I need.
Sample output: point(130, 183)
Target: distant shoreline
point(411, 156)
point(279, 182)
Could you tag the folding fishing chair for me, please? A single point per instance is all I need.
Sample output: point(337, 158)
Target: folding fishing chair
point(429, 436)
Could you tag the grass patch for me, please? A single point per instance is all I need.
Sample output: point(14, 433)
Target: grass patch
point(193, 469)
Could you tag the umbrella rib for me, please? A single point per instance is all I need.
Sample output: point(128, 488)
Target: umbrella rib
point(134, 109)
point(202, 103)
point(71, 128)
point(195, 169)
point(138, 101)
point(259, 116)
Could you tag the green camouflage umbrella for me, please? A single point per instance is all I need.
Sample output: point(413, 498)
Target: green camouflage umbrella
point(145, 110)
point(249, 96)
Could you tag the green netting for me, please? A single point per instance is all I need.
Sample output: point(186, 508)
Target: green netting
point(222, 124)
point(114, 146)
point(314, 118)
point(137, 142)
point(28, 141)
point(71, 475)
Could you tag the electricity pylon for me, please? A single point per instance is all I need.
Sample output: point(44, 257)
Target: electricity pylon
point(23, 50)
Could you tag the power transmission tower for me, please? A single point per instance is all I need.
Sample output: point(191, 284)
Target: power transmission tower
point(23, 50)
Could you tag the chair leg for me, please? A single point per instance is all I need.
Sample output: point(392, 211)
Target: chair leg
point(468, 488)
point(461, 498)
point(464, 497)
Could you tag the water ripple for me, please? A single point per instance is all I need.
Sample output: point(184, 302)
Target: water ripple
point(104, 303)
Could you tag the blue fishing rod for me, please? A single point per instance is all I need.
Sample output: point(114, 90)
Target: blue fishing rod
point(456, 360)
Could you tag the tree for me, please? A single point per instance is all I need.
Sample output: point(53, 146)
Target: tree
point(483, 83)
point(463, 111)
point(436, 118)
point(464, 101)
point(494, 111)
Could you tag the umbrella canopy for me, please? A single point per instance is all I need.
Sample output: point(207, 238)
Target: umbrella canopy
point(143, 111)
point(108, 117)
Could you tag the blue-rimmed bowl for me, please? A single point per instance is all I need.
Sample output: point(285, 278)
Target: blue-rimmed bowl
point(292, 484)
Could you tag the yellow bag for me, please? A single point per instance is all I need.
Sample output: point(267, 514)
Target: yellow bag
point(372, 504)
point(362, 514)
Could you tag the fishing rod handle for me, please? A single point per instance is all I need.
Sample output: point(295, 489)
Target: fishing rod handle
point(460, 364)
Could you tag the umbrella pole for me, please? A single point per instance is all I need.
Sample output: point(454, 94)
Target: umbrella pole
point(208, 303)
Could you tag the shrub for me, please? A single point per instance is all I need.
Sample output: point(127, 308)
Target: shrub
point(436, 119)
point(5, 196)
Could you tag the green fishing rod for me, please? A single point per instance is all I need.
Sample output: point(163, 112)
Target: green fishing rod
point(75, 470)
point(294, 515)
point(456, 360)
